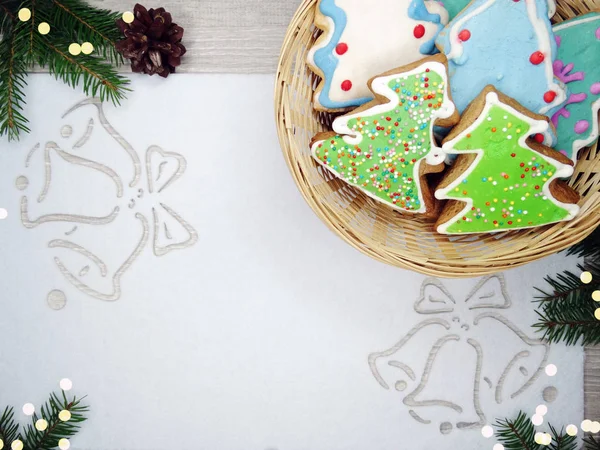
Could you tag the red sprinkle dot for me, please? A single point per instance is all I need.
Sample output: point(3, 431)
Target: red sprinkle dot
point(419, 31)
point(539, 138)
point(341, 48)
point(464, 35)
point(536, 58)
point(346, 85)
point(549, 96)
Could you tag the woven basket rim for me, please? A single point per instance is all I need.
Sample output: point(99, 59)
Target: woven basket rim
point(296, 119)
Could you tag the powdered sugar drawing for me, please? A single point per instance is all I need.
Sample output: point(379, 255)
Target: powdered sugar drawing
point(113, 201)
point(451, 331)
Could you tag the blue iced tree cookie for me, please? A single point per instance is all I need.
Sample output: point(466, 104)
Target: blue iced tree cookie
point(578, 65)
point(454, 7)
point(362, 39)
point(507, 44)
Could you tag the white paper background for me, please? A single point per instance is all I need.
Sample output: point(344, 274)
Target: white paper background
point(256, 337)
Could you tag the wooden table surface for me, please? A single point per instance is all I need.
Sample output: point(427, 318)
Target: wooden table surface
point(244, 36)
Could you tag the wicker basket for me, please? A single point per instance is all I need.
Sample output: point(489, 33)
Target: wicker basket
point(377, 230)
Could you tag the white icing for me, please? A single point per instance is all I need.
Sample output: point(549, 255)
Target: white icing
point(380, 87)
point(543, 38)
point(581, 143)
point(551, 8)
point(435, 7)
point(571, 23)
point(537, 126)
point(380, 37)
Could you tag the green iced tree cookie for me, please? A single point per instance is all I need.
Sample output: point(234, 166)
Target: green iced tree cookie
point(386, 147)
point(500, 180)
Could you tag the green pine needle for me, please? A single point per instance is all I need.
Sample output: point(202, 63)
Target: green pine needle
point(561, 440)
point(589, 247)
point(22, 47)
point(57, 429)
point(566, 313)
point(99, 78)
point(8, 427)
point(591, 443)
point(87, 24)
point(517, 434)
point(12, 83)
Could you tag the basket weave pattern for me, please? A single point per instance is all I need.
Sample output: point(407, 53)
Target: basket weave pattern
point(377, 230)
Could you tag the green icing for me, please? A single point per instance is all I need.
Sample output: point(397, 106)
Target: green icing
point(578, 65)
point(454, 7)
point(395, 138)
point(507, 182)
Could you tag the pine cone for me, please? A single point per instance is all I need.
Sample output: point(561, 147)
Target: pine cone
point(152, 41)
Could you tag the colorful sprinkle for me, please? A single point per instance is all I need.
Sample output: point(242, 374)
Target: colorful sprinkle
point(341, 48)
point(582, 126)
point(549, 96)
point(386, 161)
point(536, 58)
point(464, 35)
point(419, 31)
point(515, 184)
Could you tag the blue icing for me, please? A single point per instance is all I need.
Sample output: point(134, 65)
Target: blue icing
point(418, 11)
point(326, 60)
point(499, 59)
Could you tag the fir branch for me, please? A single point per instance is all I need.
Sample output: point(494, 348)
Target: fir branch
point(518, 434)
point(565, 284)
point(561, 440)
point(32, 31)
point(99, 78)
point(57, 429)
point(567, 313)
point(591, 443)
point(7, 12)
point(589, 247)
point(12, 84)
point(8, 427)
point(88, 24)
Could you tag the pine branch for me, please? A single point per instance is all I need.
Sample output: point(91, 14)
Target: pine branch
point(31, 31)
point(12, 84)
point(99, 78)
point(561, 440)
point(591, 443)
point(518, 434)
point(567, 313)
point(88, 24)
point(57, 429)
point(8, 427)
point(589, 247)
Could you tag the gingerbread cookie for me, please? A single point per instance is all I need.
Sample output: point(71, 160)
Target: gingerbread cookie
point(507, 44)
point(502, 180)
point(578, 65)
point(362, 39)
point(386, 148)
